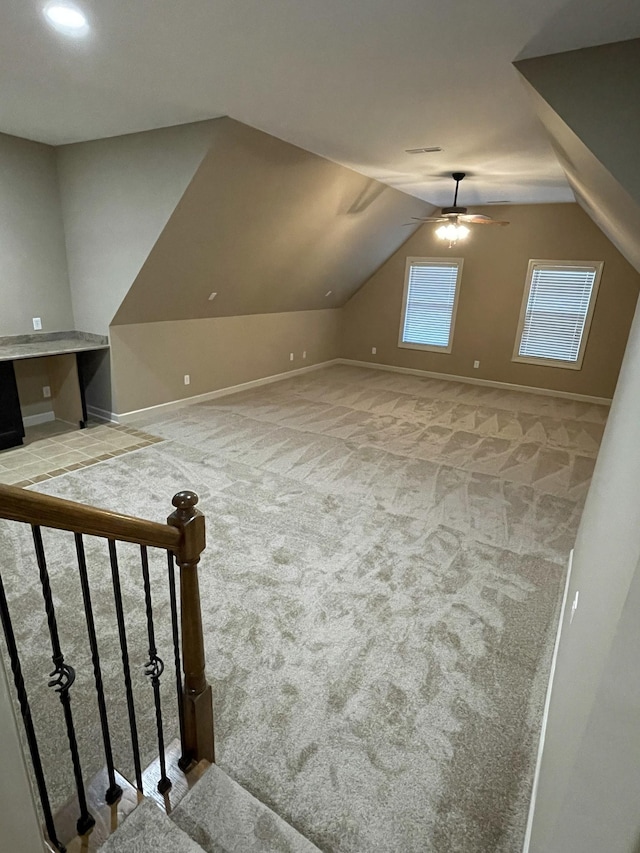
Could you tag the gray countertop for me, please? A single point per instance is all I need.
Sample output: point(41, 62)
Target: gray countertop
point(14, 347)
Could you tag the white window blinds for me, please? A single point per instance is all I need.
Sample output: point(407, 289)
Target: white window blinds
point(430, 300)
point(556, 312)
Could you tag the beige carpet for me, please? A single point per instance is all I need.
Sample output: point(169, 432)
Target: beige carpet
point(380, 594)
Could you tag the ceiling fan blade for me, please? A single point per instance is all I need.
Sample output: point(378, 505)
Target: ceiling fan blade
point(429, 219)
point(474, 217)
point(483, 220)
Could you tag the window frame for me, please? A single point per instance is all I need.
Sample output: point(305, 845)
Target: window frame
point(420, 261)
point(551, 362)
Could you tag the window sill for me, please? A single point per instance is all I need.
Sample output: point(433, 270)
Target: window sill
point(424, 347)
point(547, 362)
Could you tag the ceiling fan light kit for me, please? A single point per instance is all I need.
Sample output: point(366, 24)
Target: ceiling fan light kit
point(452, 232)
point(454, 217)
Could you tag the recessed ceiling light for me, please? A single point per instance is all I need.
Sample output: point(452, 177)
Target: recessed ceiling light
point(430, 150)
point(66, 18)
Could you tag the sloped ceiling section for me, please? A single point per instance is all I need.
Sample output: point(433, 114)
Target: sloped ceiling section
point(588, 102)
point(268, 227)
point(117, 195)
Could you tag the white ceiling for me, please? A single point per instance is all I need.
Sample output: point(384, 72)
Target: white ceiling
point(356, 81)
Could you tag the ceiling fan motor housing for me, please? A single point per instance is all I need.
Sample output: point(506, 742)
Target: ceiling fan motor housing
point(447, 211)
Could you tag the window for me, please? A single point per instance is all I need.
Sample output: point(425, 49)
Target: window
point(431, 288)
point(556, 312)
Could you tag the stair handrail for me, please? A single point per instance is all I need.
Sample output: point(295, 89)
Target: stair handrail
point(17, 504)
point(183, 538)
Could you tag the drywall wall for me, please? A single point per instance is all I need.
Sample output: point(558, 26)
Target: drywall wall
point(590, 769)
point(149, 360)
point(269, 227)
point(32, 375)
point(586, 803)
point(604, 784)
point(33, 270)
point(604, 198)
point(18, 818)
point(583, 85)
point(117, 195)
point(491, 292)
point(95, 369)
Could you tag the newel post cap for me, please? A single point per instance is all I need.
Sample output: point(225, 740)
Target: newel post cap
point(190, 521)
point(185, 500)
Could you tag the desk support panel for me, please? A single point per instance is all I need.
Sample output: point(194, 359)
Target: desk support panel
point(65, 388)
point(11, 426)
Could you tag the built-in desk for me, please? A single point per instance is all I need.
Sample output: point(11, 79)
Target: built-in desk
point(63, 353)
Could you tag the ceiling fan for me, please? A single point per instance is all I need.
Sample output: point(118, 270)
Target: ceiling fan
point(454, 218)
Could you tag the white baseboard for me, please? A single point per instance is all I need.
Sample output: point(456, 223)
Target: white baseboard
point(113, 417)
point(545, 713)
point(34, 420)
point(504, 386)
point(125, 417)
point(101, 415)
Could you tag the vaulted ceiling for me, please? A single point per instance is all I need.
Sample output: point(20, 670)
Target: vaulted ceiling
point(357, 82)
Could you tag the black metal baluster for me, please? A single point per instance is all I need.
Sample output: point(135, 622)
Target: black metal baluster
point(117, 594)
point(154, 669)
point(114, 791)
point(62, 679)
point(185, 758)
point(27, 720)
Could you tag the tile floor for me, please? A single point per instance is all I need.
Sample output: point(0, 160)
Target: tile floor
point(55, 448)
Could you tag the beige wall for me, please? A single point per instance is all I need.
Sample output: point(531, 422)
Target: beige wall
point(149, 360)
point(591, 762)
point(32, 374)
point(492, 286)
point(590, 770)
point(584, 85)
point(269, 227)
point(117, 195)
point(33, 270)
point(571, 92)
point(19, 821)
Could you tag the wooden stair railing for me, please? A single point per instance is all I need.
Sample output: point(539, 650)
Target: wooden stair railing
point(183, 538)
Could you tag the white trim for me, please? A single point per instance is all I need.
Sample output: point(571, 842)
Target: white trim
point(220, 392)
point(113, 417)
point(426, 262)
point(552, 362)
point(101, 415)
point(545, 714)
point(35, 420)
point(505, 386)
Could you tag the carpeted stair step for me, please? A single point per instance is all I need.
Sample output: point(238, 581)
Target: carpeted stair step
point(224, 818)
point(148, 830)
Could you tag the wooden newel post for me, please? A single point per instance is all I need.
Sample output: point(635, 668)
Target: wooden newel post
point(197, 699)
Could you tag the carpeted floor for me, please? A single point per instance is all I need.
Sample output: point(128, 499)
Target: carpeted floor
point(385, 562)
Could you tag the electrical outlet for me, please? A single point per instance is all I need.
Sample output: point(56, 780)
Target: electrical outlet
point(374, 350)
point(476, 364)
point(37, 324)
point(290, 356)
point(187, 379)
point(304, 354)
point(46, 391)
